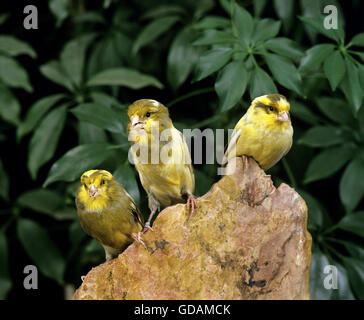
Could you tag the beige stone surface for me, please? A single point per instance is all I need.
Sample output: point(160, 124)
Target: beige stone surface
point(243, 242)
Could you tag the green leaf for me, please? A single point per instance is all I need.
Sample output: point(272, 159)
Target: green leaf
point(315, 56)
point(181, 59)
point(226, 5)
point(359, 54)
point(353, 249)
point(41, 200)
point(266, 29)
point(259, 6)
point(126, 177)
point(285, 47)
point(358, 40)
point(77, 160)
point(45, 138)
point(154, 30)
point(212, 61)
point(5, 280)
point(334, 68)
point(106, 100)
point(54, 71)
point(261, 83)
point(73, 57)
point(41, 249)
point(355, 269)
point(285, 72)
point(9, 106)
point(76, 234)
point(243, 23)
point(317, 276)
point(284, 10)
point(212, 22)
point(98, 115)
point(4, 182)
point(36, 112)
point(14, 47)
point(214, 37)
point(343, 291)
point(123, 77)
point(352, 184)
point(163, 10)
point(351, 86)
point(231, 84)
point(13, 74)
point(353, 223)
point(335, 109)
point(89, 133)
point(315, 210)
point(304, 113)
point(3, 17)
point(60, 9)
point(328, 162)
point(323, 136)
point(361, 75)
point(202, 7)
point(318, 24)
point(89, 17)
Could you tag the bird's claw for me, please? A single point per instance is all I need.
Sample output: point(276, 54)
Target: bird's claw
point(191, 203)
point(146, 228)
point(138, 238)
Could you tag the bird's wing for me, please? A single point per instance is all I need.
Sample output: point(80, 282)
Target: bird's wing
point(133, 209)
point(232, 145)
point(190, 185)
point(182, 172)
point(129, 205)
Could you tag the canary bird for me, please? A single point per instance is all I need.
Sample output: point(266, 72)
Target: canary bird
point(264, 132)
point(165, 171)
point(107, 212)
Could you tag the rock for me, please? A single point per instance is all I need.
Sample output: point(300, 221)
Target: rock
point(243, 242)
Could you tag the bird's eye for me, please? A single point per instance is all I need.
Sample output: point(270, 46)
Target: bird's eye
point(271, 108)
point(147, 114)
point(102, 182)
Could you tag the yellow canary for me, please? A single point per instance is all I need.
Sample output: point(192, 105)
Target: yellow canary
point(161, 156)
point(107, 212)
point(264, 132)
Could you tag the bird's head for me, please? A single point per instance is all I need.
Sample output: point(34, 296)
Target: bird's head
point(145, 114)
point(272, 108)
point(95, 186)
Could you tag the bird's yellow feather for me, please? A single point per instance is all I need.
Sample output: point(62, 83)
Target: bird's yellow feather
point(167, 181)
point(264, 132)
point(106, 211)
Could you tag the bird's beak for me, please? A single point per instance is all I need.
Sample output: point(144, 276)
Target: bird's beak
point(135, 121)
point(283, 116)
point(92, 191)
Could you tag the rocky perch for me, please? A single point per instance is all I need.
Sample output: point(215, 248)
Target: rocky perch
point(242, 242)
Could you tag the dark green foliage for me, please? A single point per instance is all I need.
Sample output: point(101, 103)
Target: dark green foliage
point(63, 111)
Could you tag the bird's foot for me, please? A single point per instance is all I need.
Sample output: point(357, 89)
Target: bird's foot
point(147, 227)
point(273, 190)
point(138, 238)
point(245, 161)
point(191, 203)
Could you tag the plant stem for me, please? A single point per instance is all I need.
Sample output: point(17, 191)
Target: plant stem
point(189, 95)
point(289, 173)
point(206, 121)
